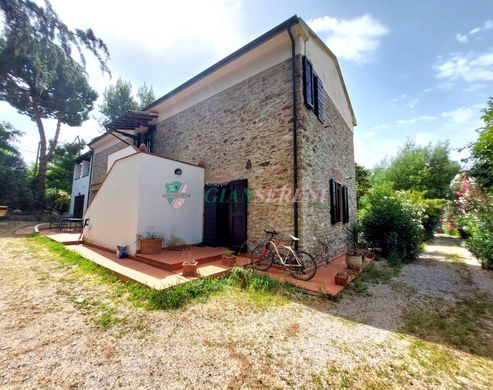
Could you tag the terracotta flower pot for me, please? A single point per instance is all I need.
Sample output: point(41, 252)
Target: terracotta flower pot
point(354, 262)
point(150, 246)
point(190, 268)
point(342, 278)
point(229, 261)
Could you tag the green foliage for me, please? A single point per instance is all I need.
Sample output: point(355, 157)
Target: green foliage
point(14, 188)
point(145, 96)
point(362, 182)
point(118, 99)
point(470, 213)
point(40, 77)
point(391, 224)
point(60, 172)
point(482, 151)
point(429, 211)
point(426, 169)
point(57, 200)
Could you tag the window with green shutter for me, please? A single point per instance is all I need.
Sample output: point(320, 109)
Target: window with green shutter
point(308, 86)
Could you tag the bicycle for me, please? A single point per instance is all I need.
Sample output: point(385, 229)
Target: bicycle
point(301, 264)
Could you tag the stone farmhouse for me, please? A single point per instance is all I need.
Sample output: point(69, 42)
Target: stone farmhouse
point(271, 126)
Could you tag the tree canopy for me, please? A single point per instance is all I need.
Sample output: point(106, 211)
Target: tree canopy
point(14, 191)
point(40, 76)
point(482, 151)
point(119, 98)
point(59, 174)
point(428, 169)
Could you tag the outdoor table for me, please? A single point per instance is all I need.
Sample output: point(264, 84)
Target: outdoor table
point(72, 222)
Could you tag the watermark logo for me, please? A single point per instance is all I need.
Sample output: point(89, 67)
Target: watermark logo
point(176, 194)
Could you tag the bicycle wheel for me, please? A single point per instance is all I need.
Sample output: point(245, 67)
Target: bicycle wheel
point(262, 257)
point(307, 268)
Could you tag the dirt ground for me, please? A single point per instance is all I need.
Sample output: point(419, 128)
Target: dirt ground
point(429, 326)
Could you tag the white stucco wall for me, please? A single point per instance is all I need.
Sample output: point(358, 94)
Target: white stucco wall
point(80, 186)
point(120, 154)
point(113, 212)
point(131, 202)
point(155, 212)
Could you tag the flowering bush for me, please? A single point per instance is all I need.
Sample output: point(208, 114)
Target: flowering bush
point(391, 223)
point(471, 212)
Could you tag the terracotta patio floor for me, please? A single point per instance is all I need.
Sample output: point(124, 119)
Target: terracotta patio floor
point(159, 278)
point(171, 260)
point(324, 280)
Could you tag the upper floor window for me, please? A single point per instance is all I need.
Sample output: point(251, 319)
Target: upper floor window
point(313, 90)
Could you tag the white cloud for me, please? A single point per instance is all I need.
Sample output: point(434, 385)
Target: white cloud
point(469, 117)
point(427, 90)
point(461, 38)
point(488, 24)
point(355, 39)
point(469, 67)
point(424, 138)
point(475, 30)
point(412, 121)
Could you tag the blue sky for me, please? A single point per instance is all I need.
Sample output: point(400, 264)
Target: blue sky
point(420, 69)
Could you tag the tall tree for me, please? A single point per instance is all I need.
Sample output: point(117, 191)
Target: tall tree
point(427, 169)
point(362, 183)
point(14, 190)
point(118, 98)
point(145, 96)
point(39, 75)
point(482, 151)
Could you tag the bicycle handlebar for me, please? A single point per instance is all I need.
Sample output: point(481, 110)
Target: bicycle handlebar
point(271, 232)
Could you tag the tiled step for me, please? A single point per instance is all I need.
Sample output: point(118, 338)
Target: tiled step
point(171, 266)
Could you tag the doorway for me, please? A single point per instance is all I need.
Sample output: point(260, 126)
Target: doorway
point(225, 214)
point(78, 206)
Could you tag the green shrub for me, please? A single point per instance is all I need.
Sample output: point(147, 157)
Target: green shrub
point(391, 224)
point(480, 238)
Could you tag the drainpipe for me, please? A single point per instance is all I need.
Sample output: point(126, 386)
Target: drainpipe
point(295, 134)
point(90, 178)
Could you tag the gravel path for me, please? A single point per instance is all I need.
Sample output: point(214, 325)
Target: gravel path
point(61, 329)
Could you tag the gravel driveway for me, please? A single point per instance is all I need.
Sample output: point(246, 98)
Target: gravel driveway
point(63, 329)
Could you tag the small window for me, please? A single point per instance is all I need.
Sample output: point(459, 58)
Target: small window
point(319, 99)
point(308, 87)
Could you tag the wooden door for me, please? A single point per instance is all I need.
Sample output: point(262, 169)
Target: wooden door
point(238, 205)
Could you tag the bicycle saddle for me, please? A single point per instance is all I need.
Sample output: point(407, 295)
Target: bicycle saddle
point(294, 238)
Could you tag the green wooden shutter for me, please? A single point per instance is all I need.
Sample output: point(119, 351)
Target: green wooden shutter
point(308, 88)
point(345, 198)
point(319, 100)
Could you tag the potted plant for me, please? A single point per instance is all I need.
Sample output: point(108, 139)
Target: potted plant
point(189, 265)
point(151, 244)
point(229, 259)
point(354, 258)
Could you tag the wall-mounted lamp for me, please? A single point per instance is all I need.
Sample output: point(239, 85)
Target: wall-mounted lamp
point(178, 171)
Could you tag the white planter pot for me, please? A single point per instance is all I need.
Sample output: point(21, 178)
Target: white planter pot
point(354, 262)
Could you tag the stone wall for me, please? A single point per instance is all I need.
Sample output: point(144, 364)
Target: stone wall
point(100, 162)
point(326, 152)
point(244, 132)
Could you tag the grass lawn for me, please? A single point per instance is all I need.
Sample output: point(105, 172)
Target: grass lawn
point(68, 323)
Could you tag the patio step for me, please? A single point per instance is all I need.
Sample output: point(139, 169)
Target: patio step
point(172, 264)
